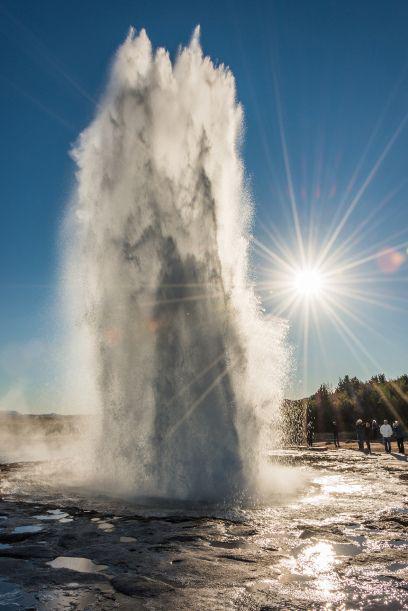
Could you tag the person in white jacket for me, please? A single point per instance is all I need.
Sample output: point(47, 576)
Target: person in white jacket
point(386, 432)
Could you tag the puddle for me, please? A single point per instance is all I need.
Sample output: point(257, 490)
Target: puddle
point(359, 539)
point(31, 528)
point(397, 566)
point(82, 565)
point(4, 545)
point(399, 543)
point(346, 549)
point(52, 514)
point(106, 526)
point(127, 539)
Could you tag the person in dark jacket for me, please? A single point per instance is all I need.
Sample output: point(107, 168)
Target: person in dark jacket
point(375, 430)
point(367, 436)
point(309, 434)
point(335, 430)
point(399, 436)
point(360, 434)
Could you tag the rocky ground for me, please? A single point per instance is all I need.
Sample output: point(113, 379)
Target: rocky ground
point(341, 542)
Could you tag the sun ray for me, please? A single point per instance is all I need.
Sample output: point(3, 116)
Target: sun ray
point(196, 378)
point(272, 234)
point(371, 138)
point(200, 399)
point(357, 235)
point(187, 299)
point(367, 299)
point(359, 320)
point(305, 339)
point(354, 339)
point(361, 191)
point(387, 401)
point(271, 254)
point(398, 390)
point(317, 328)
point(343, 335)
point(366, 259)
point(287, 307)
point(288, 171)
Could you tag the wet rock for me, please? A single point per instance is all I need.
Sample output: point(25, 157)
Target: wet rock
point(389, 523)
point(81, 537)
point(238, 558)
point(401, 520)
point(239, 531)
point(379, 556)
point(236, 544)
point(329, 532)
point(271, 548)
point(139, 585)
point(183, 539)
point(27, 552)
point(162, 548)
point(67, 540)
point(11, 566)
point(17, 537)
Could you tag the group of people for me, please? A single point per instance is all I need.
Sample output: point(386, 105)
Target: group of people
point(367, 431)
point(370, 431)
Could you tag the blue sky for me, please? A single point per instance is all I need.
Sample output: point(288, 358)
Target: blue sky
point(326, 79)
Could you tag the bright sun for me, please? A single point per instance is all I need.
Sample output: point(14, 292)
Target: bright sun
point(308, 282)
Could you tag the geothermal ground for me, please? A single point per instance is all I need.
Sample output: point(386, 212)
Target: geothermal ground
point(340, 542)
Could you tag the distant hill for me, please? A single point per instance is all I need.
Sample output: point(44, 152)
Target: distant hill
point(376, 398)
point(15, 423)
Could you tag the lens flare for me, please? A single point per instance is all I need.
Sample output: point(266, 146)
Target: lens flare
point(390, 260)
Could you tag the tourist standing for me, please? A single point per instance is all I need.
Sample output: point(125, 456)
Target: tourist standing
point(399, 436)
point(360, 434)
point(386, 432)
point(309, 434)
point(367, 435)
point(375, 429)
point(335, 430)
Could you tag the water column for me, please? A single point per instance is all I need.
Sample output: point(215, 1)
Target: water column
point(187, 373)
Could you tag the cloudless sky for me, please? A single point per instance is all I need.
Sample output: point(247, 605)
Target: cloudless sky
point(328, 79)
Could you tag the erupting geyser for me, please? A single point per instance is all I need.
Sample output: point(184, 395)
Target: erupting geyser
point(187, 375)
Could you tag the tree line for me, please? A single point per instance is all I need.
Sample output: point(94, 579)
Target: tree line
point(352, 399)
